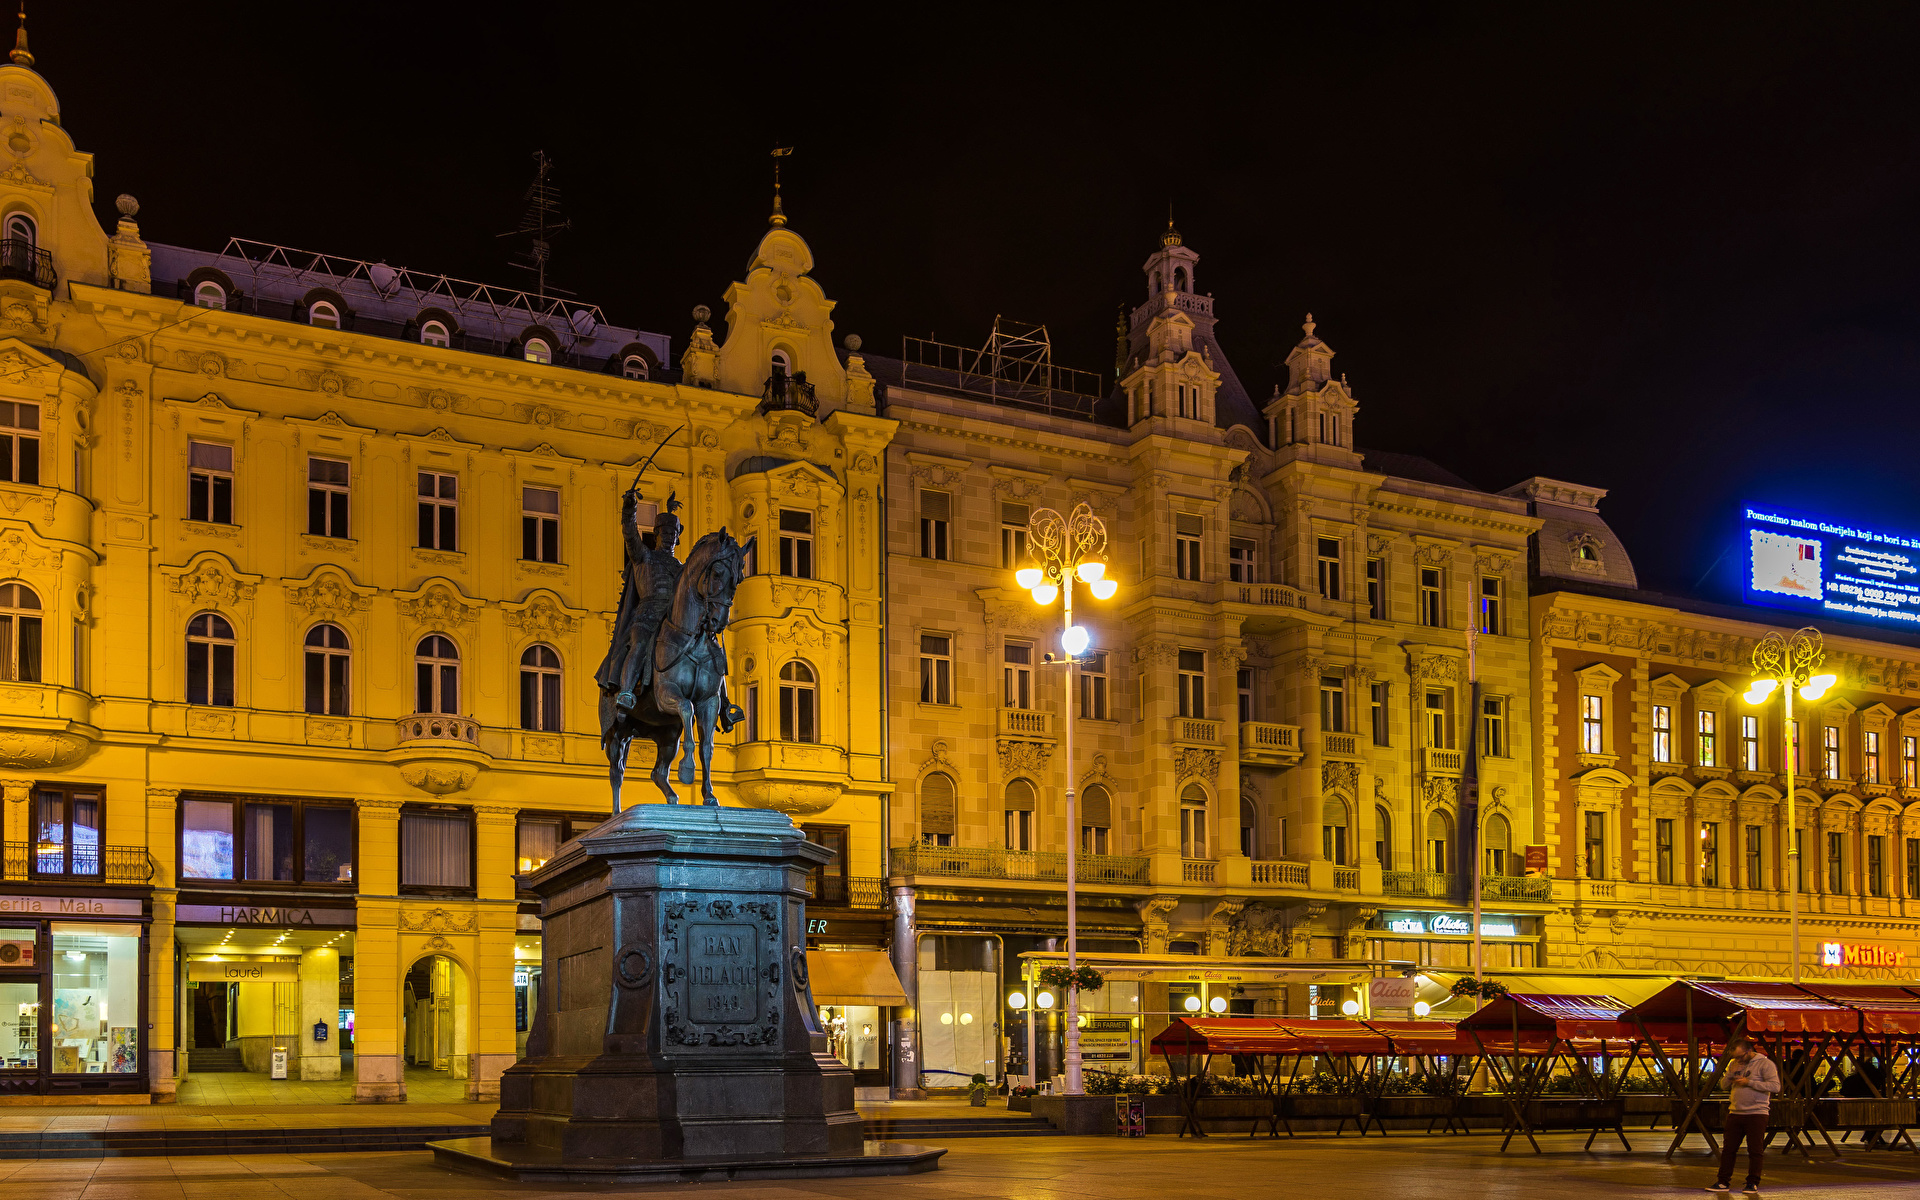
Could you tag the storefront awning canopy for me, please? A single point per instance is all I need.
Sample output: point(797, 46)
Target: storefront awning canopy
point(1759, 1006)
point(1588, 1022)
point(1299, 1035)
point(1883, 1008)
point(1195, 968)
point(853, 977)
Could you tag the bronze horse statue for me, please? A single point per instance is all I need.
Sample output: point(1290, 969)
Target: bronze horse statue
point(687, 695)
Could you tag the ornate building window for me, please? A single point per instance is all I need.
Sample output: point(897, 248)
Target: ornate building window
point(436, 849)
point(1836, 863)
point(781, 364)
point(1249, 828)
point(1093, 686)
point(799, 711)
point(1493, 726)
point(19, 442)
point(938, 809)
point(1490, 605)
point(1240, 560)
point(1327, 564)
point(1594, 833)
point(540, 689)
point(1013, 535)
point(209, 295)
point(20, 228)
point(633, 367)
point(1333, 704)
point(1019, 815)
point(1709, 737)
point(1439, 713)
point(323, 314)
point(1244, 693)
point(1830, 751)
point(436, 675)
point(1662, 733)
point(1755, 851)
point(1749, 743)
point(1876, 865)
point(1193, 822)
point(1439, 842)
point(1496, 843)
point(328, 497)
point(1909, 761)
point(66, 830)
point(1663, 849)
point(225, 837)
point(1870, 756)
point(1432, 612)
point(936, 512)
point(796, 543)
point(210, 483)
point(1709, 854)
point(1333, 831)
point(1383, 838)
point(20, 633)
point(536, 350)
point(1188, 529)
point(936, 668)
point(1096, 820)
point(1593, 724)
point(1017, 675)
point(540, 524)
point(1376, 590)
point(1377, 712)
point(210, 661)
point(327, 659)
point(434, 333)
point(439, 511)
point(1193, 683)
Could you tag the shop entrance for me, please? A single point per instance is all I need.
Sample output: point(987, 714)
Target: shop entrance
point(265, 1014)
point(435, 1007)
point(211, 1028)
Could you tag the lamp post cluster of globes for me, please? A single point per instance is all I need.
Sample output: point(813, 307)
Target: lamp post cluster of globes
point(1787, 663)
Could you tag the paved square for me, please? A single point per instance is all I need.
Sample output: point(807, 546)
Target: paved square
point(1070, 1168)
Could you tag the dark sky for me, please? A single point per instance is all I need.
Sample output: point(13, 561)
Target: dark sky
point(1666, 250)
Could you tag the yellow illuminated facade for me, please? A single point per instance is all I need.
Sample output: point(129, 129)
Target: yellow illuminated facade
point(306, 566)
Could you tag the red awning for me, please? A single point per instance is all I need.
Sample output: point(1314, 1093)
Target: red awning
point(1267, 1035)
point(1883, 1008)
point(1334, 1036)
point(1761, 1007)
point(1424, 1037)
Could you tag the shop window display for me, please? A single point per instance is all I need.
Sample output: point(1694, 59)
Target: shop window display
point(959, 1008)
point(96, 999)
point(854, 1034)
point(20, 1005)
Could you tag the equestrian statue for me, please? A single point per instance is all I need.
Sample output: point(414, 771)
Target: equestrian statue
point(665, 675)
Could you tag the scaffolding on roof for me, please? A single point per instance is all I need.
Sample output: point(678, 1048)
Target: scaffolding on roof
point(1014, 367)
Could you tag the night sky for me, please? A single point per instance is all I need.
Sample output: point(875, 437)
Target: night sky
point(1669, 253)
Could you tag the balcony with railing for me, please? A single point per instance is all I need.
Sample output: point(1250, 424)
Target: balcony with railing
point(1444, 762)
point(1428, 885)
point(1280, 874)
point(1437, 885)
point(1031, 723)
point(991, 862)
point(1196, 731)
point(1340, 745)
point(21, 259)
point(80, 863)
point(1346, 879)
point(1198, 870)
point(1264, 742)
point(438, 727)
point(834, 891)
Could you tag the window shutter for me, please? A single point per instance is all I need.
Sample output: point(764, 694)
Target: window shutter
point(1333, 812)
point(1187, 524)
point(1096, 807)
point(935, 506)
point(936, 805)
point(1019, 796)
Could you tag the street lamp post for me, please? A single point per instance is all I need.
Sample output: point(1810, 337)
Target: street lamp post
point(1069, 550)
point(1788, 663)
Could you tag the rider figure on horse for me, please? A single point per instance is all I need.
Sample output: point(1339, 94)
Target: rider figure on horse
point(652, 572)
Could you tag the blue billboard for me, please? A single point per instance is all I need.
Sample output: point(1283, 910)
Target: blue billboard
point(1830, 568)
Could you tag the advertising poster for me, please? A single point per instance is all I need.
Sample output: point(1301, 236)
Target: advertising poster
point(1830, 568)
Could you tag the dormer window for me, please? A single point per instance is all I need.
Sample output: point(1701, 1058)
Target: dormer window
point(537, 351)
point(634, 367)
point(20, 228)
point(434, 333)
point(1586, 554)
point(323, 314)
point(782, 364)
point(210, 295)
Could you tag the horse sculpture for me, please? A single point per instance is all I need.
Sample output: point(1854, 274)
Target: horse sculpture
point(687, 695)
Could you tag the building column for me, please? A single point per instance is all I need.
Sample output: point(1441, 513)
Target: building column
point(19, 814)
point(906, 1023)
point(491, 1040)
point(319, 1005)
point(378, 1071)
point(166, 1061)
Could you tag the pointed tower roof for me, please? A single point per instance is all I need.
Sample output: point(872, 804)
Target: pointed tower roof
point(20, 53)
point(1310, 364)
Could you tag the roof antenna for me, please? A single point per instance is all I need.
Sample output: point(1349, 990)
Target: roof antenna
point(20, 54)
point(541, 219)
point(779, 216)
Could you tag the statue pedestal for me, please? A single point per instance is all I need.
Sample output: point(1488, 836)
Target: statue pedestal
point(676, 1036)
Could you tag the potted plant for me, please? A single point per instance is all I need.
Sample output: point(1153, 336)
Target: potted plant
point(1086, 979)
point(977, 1091)
point(1020, 1099)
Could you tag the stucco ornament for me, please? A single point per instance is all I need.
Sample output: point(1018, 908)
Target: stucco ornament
point(46, 751)
point(790, 797)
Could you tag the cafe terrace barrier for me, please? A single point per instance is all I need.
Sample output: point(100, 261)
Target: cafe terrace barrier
point(1803, 1028)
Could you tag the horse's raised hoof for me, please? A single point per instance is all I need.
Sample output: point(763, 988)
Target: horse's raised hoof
point(710, 802)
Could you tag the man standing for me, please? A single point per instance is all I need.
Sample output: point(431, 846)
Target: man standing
point(1753, 1079)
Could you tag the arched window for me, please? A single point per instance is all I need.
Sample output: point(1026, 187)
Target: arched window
point(1193, 822)
point(1333, 831)
point(1439, 842)
point(1249, 828)
point(1180, 278)
point(434, 333)
point(436, 676)
point(1019, 818)
point(327, 670)
point(323, 314)
point(540, 689)
point(19, 633)
point(1497, 842)
point(1096, 820)
point(209, 294)
point(20, 228)
point(210, 660)
point(1585, 553)
point(782, 364)
point(537, 351)
point(937, 809)
point(634, 367)
point(1383, 838)
point(799, 707)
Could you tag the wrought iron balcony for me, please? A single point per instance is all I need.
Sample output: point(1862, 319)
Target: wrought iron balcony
point(21, 259)
point(82, 864)
point(1436, 885)
point(987, 862)
point(790, 393)
point(1432, 885)
point(832, 891)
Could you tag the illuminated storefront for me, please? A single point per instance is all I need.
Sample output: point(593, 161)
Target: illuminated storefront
point(73, 996)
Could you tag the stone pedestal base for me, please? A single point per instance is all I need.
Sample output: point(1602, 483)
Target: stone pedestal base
point(528, 1164)
point(378, 1079)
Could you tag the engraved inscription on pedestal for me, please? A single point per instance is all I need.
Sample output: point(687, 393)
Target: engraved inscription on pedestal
point(720, 972)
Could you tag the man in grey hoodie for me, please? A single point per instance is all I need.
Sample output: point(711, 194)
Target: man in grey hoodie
point(1753, 1079)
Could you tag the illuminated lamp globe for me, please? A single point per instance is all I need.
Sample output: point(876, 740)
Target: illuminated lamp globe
point(1817, 686)
point(1044, 594)
point(1351, 1008)
point(1761, 689)
point(1193, 1004)
point(1029, 578)
point(946, 1018)
point(1217, 1005)
point(1074, 640)
point(1103, 589)
point(966, 1018)
point(1044, 999)
point(1017, 1000)
point(1421, 1008)
point(1090, 572)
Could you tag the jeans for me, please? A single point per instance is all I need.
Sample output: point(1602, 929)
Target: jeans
point(1753, 1128)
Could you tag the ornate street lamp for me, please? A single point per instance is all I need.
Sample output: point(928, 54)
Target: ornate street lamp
point(1069, 550)
point(1788, 663)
